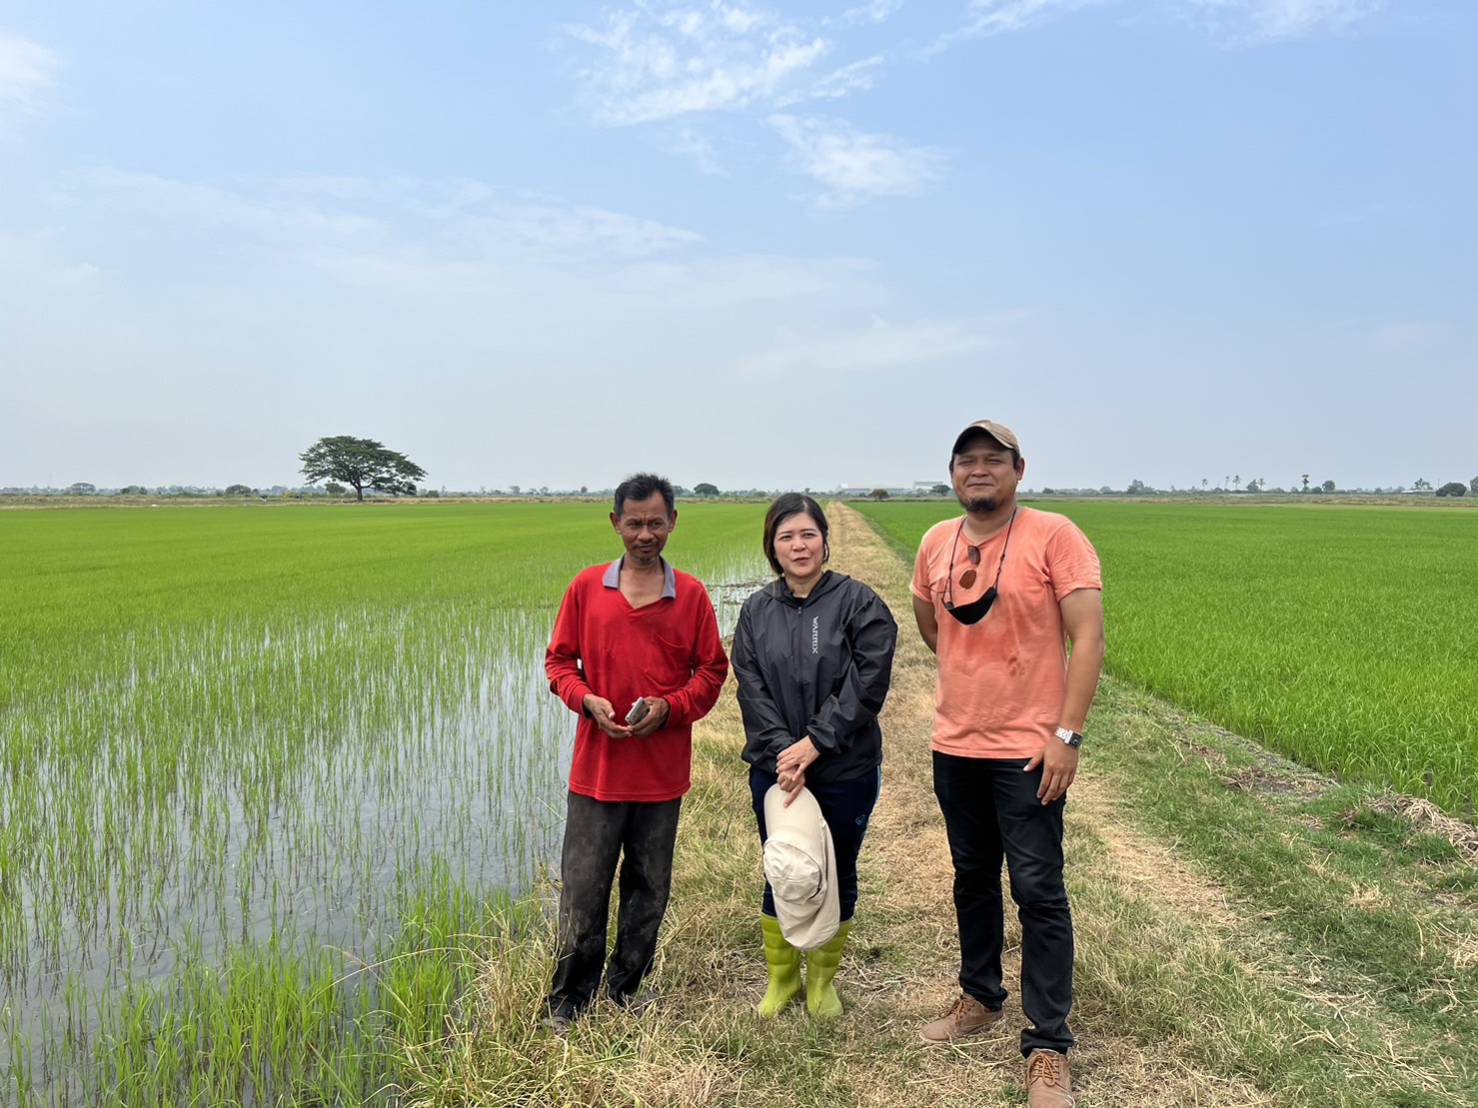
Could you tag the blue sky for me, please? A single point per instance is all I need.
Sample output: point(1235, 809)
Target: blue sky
point(760, 245)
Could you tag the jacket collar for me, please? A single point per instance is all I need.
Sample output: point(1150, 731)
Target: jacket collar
point(780, 589)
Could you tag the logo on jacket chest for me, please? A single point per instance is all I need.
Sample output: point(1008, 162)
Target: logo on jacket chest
point(815, 634)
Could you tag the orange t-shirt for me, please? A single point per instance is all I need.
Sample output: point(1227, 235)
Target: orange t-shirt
point(1001, 681)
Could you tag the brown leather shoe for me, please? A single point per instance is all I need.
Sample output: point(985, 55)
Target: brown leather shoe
point(967, 1016)
point(1049, 1084)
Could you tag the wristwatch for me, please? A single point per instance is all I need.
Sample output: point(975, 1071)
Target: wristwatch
point(1072, 738)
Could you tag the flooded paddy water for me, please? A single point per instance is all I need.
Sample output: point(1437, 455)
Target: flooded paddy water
point(246, 752)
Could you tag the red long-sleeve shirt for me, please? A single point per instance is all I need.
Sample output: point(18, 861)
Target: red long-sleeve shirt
point(669, 648)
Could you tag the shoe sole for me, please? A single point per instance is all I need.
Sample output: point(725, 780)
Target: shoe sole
point(983, 1029)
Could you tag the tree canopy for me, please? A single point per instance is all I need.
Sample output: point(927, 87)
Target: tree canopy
point(361, 464)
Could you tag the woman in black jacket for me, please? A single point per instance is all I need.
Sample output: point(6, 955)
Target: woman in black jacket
point(813, 653)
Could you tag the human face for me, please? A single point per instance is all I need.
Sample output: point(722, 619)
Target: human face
point(984, 476)
point(644, 526)
point(800, 547)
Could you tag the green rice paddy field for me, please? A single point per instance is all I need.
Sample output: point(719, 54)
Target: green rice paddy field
point(1343, 637)
point(264, 775)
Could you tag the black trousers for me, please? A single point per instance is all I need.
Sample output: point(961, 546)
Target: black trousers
point(846, 806)
point(597, 833)
point(991, 811)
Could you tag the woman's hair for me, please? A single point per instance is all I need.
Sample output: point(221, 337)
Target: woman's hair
point(792, 504)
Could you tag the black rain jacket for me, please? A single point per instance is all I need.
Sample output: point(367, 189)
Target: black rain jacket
point(816, 666)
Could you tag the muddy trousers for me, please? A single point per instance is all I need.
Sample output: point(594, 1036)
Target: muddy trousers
point(597, 834)
point(991, 811)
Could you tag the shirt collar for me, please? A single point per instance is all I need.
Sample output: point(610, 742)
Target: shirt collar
point(612, 579)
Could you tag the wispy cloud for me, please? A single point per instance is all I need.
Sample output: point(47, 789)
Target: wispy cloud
point(997, 17)
point(453, 218)
point(854, 165)
point(1265, 20)
point(854, 77)
point(26, 69)
point(875, 11)
point(699, 150)
point(659, 62)
point(1247, 20)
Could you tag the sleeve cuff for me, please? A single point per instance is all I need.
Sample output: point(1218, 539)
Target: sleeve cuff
point(1066, 588)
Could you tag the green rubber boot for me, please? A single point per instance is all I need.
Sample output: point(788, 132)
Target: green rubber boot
point(784, 961)
point(821, 966)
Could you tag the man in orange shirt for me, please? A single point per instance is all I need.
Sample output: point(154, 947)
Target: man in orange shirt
point(998, 594)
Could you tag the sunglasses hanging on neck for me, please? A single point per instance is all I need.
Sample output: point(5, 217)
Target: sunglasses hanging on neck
point(975, 610)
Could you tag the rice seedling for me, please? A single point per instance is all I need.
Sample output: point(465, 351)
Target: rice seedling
point(1344, 637)
point(264, 771)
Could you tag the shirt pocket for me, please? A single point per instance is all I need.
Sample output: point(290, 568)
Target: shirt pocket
point(668, 664)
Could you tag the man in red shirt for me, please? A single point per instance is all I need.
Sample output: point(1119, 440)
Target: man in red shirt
point(636, 651)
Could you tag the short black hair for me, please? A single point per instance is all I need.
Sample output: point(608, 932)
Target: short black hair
point(793, 504)
point(639, 486)
point(981, 433)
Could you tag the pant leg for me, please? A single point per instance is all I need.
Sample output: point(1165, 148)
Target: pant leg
point(646, 881)
point(1032, 836)
point(593, 833)
point(847, 806)
point(759, 784)
point(963, 788)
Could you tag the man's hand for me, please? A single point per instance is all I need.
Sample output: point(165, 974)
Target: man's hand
point(1059, 764)
point(605, 716)
point(790, 767)
point(656, 718)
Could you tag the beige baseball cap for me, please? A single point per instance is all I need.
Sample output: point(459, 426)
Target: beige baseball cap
point(801, 869)
point(998, 431)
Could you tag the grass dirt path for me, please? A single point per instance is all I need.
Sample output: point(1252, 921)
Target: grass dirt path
point(1222, 957)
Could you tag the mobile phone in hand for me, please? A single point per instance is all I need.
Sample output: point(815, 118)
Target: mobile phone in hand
point(637, 713)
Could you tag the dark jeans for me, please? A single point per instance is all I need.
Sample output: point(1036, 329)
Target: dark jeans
point(991, 810)
point(846, 806)
point(596, 833)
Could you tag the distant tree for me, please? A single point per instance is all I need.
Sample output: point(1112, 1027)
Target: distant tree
point(704, 488)
point(1473, 486)
point(943, 490)
point(1306, 482)
point(82, 488)
point(1421, 483)
point(333, 488)
point(361, 464)
point(1252, 486)
point(1236, 480)
point(1203, 484)
point(433, 493)
point(879, 494)
point(133, 490)
point(583, 490)
point(1138, 488)
point(1328, 486)
point(240, 490)
point(1453, 488)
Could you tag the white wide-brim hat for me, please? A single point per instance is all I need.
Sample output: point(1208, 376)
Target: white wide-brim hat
point(801, 868)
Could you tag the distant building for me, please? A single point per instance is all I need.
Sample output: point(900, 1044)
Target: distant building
point(862, 492)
